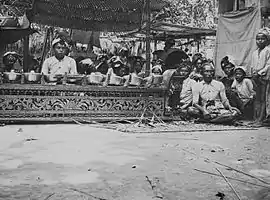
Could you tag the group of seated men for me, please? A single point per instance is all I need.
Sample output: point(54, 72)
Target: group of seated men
point(121, 69)
point(193, 90)
point(196, 93)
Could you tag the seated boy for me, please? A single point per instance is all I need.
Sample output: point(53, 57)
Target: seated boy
point(197, 61)
point(136, 75)
point(210, 101)
point(155, 78)
point(228, 67)
point(244, 89)
point(181, 86)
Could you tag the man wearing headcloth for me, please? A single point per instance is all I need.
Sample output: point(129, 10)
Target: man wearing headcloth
point(228, 64)
point(210, 101)
point(59, 63)
point(260, 72)
point(187, 85)
point(11, 61)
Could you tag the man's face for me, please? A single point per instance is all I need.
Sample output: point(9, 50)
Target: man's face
point(261, 41)
point(137, 67)
point(208, 73)
point(228, 69)
point(156, 71)
point(123, 53)
point(169, 44)
point(122, 71)
point(199, 64)
point(116, 61)
point(239, 75)
point(184, 72)
point(59, 50)
point(11, 59)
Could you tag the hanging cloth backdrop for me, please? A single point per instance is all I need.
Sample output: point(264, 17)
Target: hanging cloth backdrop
point(236, 36)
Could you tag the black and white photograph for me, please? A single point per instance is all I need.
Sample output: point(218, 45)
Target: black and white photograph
point(134, 99)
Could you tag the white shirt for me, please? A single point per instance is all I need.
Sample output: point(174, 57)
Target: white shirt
point(244, 89)
point(186, 92)
point(54, 66)
point(214, 91)
point(261, 60)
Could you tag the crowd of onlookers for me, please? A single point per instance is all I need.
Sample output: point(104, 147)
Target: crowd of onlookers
point(195, 92)
point(193, 89)
point(243, 93)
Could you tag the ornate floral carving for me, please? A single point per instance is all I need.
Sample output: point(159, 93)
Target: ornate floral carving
point(59, 103)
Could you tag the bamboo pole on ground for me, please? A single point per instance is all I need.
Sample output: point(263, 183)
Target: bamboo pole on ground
point(230, 185)
point(235, 179)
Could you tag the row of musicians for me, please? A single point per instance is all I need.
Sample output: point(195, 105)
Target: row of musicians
point(108, 72)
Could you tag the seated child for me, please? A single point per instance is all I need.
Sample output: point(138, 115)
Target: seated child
point(244, 89)
point(198, 60)
point(155, 78)
point(228, 66)
point(182, 87)
point(136, 77)
point(157, 70)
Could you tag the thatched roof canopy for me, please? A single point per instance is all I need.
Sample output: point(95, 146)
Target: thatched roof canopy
point(163, 30)
point(94, 15)
point(179, 31)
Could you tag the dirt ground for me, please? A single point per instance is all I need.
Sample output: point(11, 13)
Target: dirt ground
point(82, 162)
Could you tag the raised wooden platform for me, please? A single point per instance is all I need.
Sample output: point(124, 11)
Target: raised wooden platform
point(27, 102)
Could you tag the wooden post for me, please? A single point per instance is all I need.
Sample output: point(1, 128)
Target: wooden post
point(235, 7)
point(148, 39)
point(44, 48)
point(49, 43)
point(198, 45)
point(25, 53)
point(2, 51)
